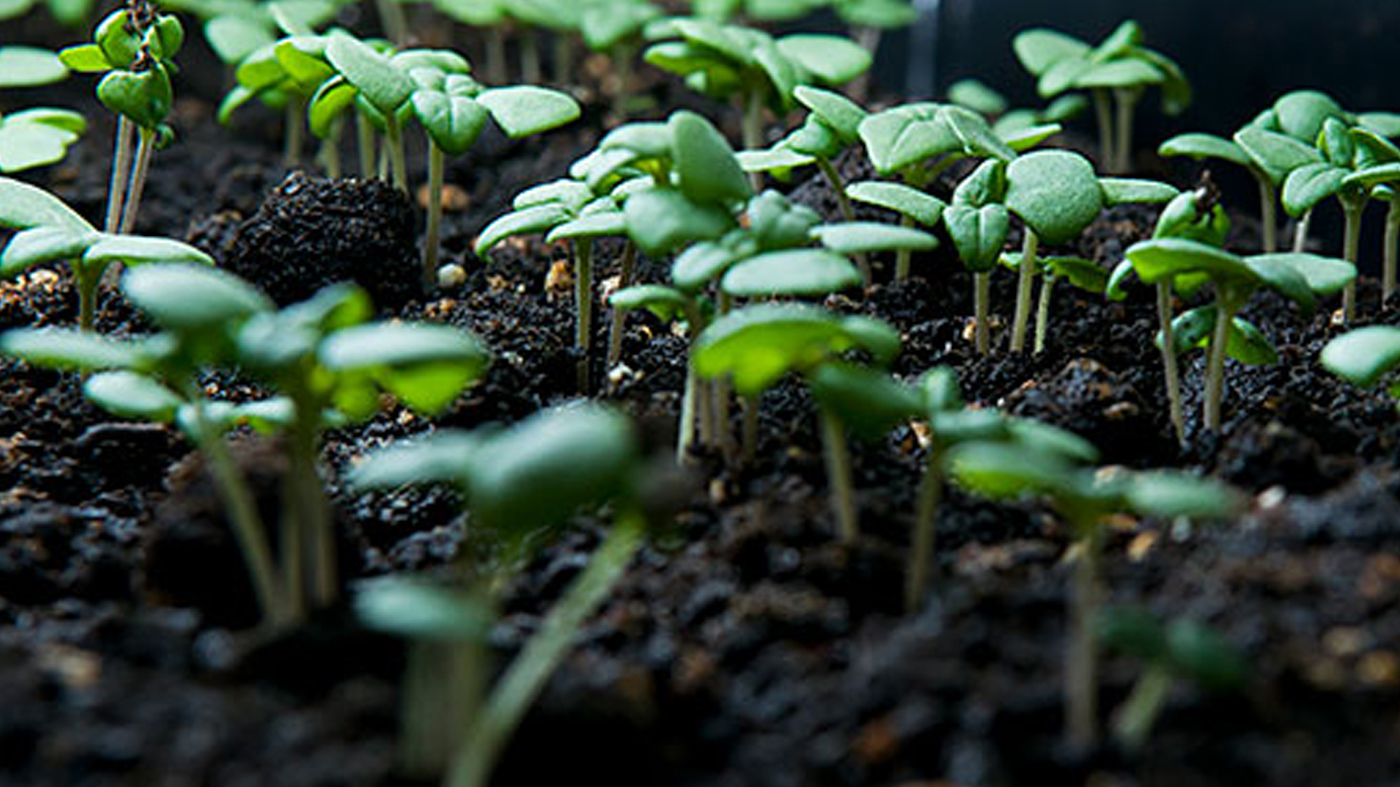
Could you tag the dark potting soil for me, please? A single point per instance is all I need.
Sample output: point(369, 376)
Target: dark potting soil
point(744, 646)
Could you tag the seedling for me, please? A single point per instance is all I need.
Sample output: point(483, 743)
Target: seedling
point(50, 231)
point(566, 210)
point(1007, 123)
point(1117, 71)
point(616, 27)
point(519, 482)
point(950, 424)
point(1198, 216)
point(1083, 274)
point(69, 13)
point(39, 136)
point(757, 345)
point(915, 208)
point(1085, 499)
point(1190, 264)
point(1365, 356)
point(321, 355)
point(1182, 649)
point(729, 61)
point(867, 21)
point(134, 48)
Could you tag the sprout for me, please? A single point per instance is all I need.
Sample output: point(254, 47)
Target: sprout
point(136, 49)
point(518, 482)
point(914, 207)
point(1364, 356)
point(757, 345)
point(1189, 264)
point(1085, 499)
point(49, 231)
point(1119, 69)
point(328, 363)
point(726, 61)
point(39, 136)
point(1009, 123)
point(1181, 649)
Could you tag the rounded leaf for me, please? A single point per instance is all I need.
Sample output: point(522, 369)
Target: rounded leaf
point(191, 297)
point(452, 122)
point(131, 395)
point(27, 66)
point(705, 166)
point(63, 348)
point(524, 110)
point(385, 86)
point(854, 237)
point(1204, 146)
point(868, 402)
point(662, 220)
point(904, 200)
point(422, 610)
point(833, 60)
point(1055, 192)
point(1363, 356)
point(424, 365)
point(798, 272)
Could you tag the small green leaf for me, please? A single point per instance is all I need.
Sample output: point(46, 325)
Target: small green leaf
point(138, 250)
point(1275, 153)
point(381, 83)
point(145, 97)
point(330, 101)
point(524, 110)
point(453, 122)
point(533, 220)
point(593, 225)
point(1302, 113)
point(1194, 329)
point(38, 245)
point(1056, 193)
point(234, 37)
point(424, 365)
point(1204, 146)
point(131, 395)
point(85, 59)
point(441, 457)
point(191, 297)
point(1166, 258)
point(661, 220)
point(63, 348)
point(773, 159)
point(23, 206)
point(976, 134)
point(898, 138)
point(855, 237)
point(999, 470)
point(798, 272)
point(705, 166)
point(1363, 356)
point(978, 234)
point(1119, 74)
point(978, 97)
point(1122, 191)
point(1038, 49)
point(904, 200)
point(422, 610)
point(27, 66)
point(868, 402)
point(1386, 124)
point(1322, 275)
point(839, 113)
point(833, 60)
point(667, 303)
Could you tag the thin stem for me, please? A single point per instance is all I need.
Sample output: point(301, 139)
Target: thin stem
point(719, 392)
point(619, 316)
point(1104, 112)
point(544, 652)
point(1173, 375)
point(1391, 251)
point(563, 58)
point(496, 55)
point(1225, 309)
point(981, 300)
point(1042, 313)
point(843, 201)
point(430, 243)
point(329, 153)
point(691, 426)
point(1126, 100)
point(838, 476)
point(622, 72)
point(1023, 291)
point(311, 502)
point(685, 435)
point(1351, 241)
point(531, 72)
point(1081, 654)
point(1268, 212)
point(394, 137)
point(292, 131)
point(1133, 720)
point(583, 306)
point(753, 129)
point(364, 139)
point(903, 256)
point(391, 19)
point(750, 448)
point(1300, 233)
point(121, 173)
point(925, 530)
point(145, 146)
point(87, 282)
point(869, 40)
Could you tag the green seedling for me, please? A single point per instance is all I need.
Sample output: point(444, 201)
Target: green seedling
point(39, 136)
point(1190, 264)
point(616, 28)
point(518, 482)
point(729, 61)
point(134, 49)
point(914, 207)
point(1181, 649)
point(329, 364)
point(1352, 163)
point(1118, 71)
point(69, 13)
point(755, 10)
point(1365, 356)
point(1083, 274)
point(281, 74)
point(1084, 498)
point(757, 345)
point(1195, 215)
point(50, 231)
point(832, 126)
point(866, 21)
point(951, 424)
point(567, 210)
point(1007, 123)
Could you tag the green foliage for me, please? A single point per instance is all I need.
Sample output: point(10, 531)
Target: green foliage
point(1062, 63)
point(136, 64)
point(1364, 356)
point(69, 13)
point(27, 66)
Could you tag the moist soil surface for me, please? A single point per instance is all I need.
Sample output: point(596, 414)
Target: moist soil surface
point(744, 646)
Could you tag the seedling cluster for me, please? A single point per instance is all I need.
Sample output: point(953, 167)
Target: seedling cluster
point(768, 294)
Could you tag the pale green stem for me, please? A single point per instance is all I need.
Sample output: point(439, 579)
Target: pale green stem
point(394, 137)
point(1104, 112)
point(838, 187)
point(531, 72)
point(1225, 308)
point(1300, 233)
point(1268, 212)
point(925, 530)
point(496, 55)
point(902, 257)
point(87, 282)
point(436, 165)
point(444, 683)
point(391, 19)
point(1351, 241)
point(1133, 720)
point(1026, 280)
point(720, 390)
point(619, 316)
point(838, 476)
point(1126, 100)
point(364, 139)
point(1081, 652)
point(292, 131)
point(982, 300)
point(583, 306)
point(1042, 313)
point(751, 404)
point(1173, 375)
point(753, 129)
point(121, 174)
point(1391, 251)
point(330, 149)
point(545, 651)
point(145, 146)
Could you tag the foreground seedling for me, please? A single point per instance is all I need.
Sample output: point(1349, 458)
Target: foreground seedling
point(519, 483)
point(1084, 498)
point(1365, 356)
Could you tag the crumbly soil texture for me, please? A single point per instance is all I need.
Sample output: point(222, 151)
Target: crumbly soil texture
point(744, 646)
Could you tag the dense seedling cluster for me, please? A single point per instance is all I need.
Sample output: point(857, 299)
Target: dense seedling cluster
point(766, 303)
